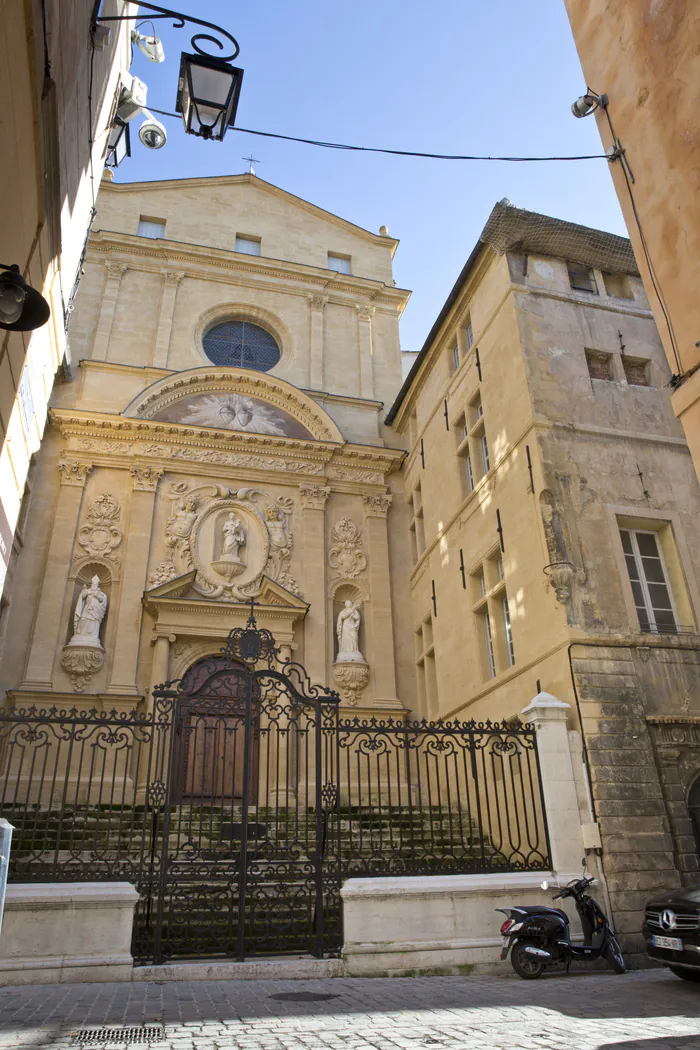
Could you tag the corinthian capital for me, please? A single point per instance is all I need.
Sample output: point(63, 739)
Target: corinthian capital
point(115, 270)
point(377, 504)
point(364, 313)
point(74, 473)
point(313, 497)
point(171, 278)
point(146, 478)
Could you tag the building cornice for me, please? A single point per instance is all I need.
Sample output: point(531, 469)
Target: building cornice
point(204, 261)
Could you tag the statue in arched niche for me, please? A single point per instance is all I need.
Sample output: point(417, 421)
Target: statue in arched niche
point(348, 633)
point(89, 613)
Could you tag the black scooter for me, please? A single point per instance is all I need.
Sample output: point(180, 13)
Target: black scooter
point(539, 937)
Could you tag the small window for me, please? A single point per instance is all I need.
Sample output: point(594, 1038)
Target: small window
point(499, 568)
point(455, 357)
point(153, 228)
point(510, 651)
point(341, 263)
point(485, 453)
point(488, 638)
point(599, 364)
point(636, 370)
point(649, 581)
point(469, 333)
point(618, 285)
point(482, 583)
point(582, 278)
point(247, 245)
point(468, 470)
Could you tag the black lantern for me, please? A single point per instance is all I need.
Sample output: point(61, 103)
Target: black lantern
point(21, 307)
point(118, 143)
point(207, 95)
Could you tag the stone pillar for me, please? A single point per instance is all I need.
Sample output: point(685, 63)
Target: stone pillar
point(122, 677)
point(380, 627)
point(45, 640)
point(548, 716)
point(165, 318)
point(313, 501)
point(160, 666)
point(115, 272)
point(316, 305)
point(364, 325)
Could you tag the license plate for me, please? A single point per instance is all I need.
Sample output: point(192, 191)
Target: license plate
point(506, 942)
point(674, 943)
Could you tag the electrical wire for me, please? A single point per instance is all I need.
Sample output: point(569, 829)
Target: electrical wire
point(647, 255)
point(393, 152)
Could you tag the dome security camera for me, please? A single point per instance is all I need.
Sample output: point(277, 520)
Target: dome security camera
point(152, 133)
point(151, 46)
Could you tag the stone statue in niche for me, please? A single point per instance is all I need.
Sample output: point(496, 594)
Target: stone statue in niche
point(89, 613)
point(348, 632)
point(230, 563)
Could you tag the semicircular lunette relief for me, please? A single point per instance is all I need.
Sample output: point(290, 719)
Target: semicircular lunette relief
point(227, 411)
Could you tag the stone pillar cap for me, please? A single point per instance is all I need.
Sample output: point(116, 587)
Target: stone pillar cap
point(545, 702)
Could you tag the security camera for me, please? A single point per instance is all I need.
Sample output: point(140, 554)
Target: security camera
point(151, 46)
point(588, 103)
point(132, 97)
point(152, 133)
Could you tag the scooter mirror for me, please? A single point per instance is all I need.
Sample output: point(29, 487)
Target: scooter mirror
point(544, 885)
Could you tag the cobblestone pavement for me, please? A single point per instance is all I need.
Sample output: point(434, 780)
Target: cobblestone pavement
point(647, 1010)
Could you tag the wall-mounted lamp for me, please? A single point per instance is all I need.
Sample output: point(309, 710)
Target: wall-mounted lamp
point(118, 143)
point(208, 86)
point(588, 103)
point(21, 307)
point(207, 95)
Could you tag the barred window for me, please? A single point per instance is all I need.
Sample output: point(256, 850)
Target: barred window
point(241, 344)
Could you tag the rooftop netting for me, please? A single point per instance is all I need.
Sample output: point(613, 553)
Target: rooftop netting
point(511, 229)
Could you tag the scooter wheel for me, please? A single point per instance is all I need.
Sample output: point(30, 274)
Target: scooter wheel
point(527, 966)
point(614, 957)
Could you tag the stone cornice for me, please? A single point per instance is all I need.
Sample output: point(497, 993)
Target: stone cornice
point(117, 441)
point(203, 262)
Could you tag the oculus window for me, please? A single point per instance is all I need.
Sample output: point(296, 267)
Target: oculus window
point(241, 344)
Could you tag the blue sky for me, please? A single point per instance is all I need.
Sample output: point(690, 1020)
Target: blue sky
point(452, 76)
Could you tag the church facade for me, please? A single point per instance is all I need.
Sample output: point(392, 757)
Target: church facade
point(223, 441)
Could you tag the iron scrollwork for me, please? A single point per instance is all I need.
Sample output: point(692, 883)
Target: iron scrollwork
point(179, 21)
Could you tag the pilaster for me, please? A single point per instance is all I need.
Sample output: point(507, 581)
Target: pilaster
point(316, 306)
point(381, 626)
point(122, 678)
point(115, 272)
point(165, 318)
point(313, 502)
point(364, 338)
point(39, 671)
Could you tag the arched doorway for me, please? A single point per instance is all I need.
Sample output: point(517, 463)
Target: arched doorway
point(694, 809)
point(210, 753)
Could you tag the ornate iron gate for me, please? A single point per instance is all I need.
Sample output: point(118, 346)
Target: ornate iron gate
point(240, 800)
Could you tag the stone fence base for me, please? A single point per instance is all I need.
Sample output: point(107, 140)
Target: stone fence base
point(435, 924)
point(63, 933)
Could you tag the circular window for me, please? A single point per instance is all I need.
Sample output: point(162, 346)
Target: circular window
point(242, 344)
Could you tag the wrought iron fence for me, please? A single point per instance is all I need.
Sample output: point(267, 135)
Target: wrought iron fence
point(240, 802)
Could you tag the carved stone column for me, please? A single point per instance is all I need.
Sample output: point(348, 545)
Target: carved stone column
point(313, 502)
point(122, 677)
point(364, 337)
point(45, 641)
point(316, 305)
point(380, 628)
point(115, 272)
point(165, 318)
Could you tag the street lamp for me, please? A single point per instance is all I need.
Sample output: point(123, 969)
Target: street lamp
point(207, 95)
point(209, 86)
point(22, 309)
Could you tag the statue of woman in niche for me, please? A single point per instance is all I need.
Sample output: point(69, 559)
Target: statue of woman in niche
point(348, 632)
point(89, 613)
point(234, 537)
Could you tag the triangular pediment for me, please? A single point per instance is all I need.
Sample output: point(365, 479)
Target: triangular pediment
point(180, 592)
